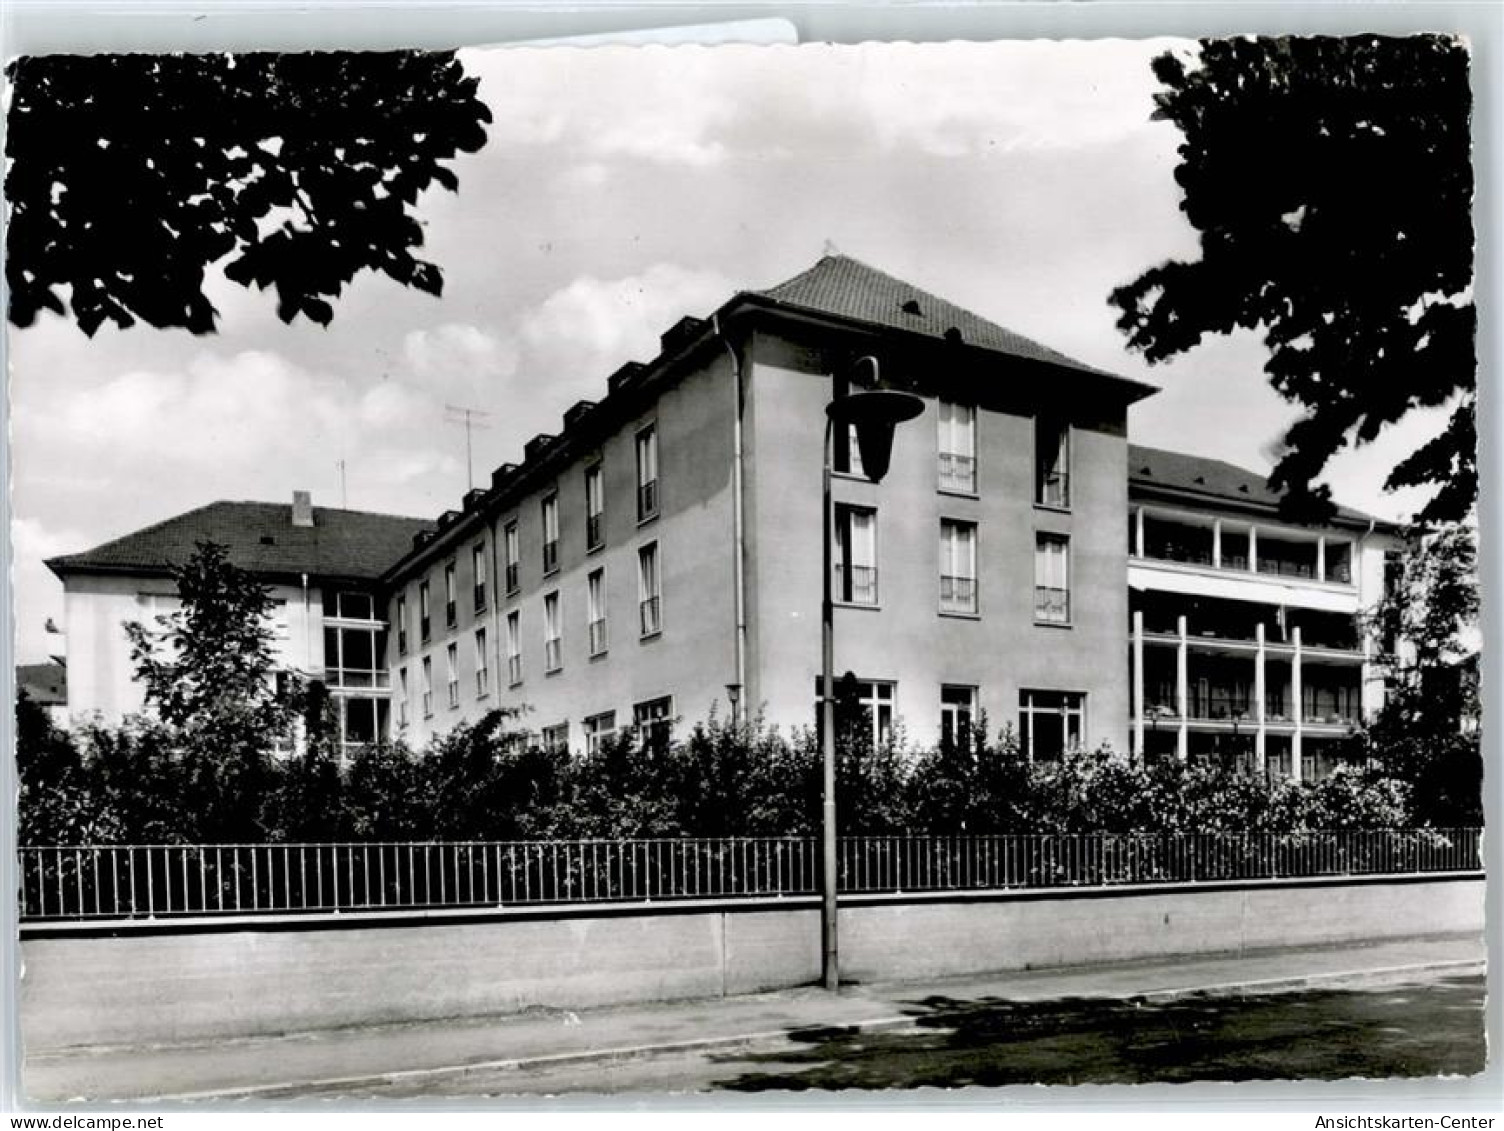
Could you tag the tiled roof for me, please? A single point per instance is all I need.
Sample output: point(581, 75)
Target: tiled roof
point(261, 539)
point(1176, 471)
point(44, 684)
point(847, 288)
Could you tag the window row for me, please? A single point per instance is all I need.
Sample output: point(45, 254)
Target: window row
point(855, 570)
point(652, 725)
point(1050, 723)
point(649, 616)
point(956, 448)
point(482, 677)
point(646, 445)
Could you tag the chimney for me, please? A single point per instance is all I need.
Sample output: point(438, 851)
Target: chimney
point(302, 508)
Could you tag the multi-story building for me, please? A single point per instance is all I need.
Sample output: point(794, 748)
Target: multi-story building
point(660, 557)
point(320, 567)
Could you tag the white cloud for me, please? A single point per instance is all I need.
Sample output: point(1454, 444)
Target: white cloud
point(457, 352)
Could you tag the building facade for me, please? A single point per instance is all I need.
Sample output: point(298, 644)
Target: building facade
point(659, 559)
point(320, 567)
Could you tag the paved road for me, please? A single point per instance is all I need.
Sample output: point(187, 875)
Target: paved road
point(1375, 1028)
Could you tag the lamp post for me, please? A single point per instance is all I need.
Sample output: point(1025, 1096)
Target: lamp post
point(875, 414)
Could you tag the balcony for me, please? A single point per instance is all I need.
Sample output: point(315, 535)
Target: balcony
point(1054, 490)
point(597, 637)
point(514, 670)
point(551, 556)
point(479, 596)
point(594, 537)
point(451, 614)
point(647, 500)
point(511, 573)
point(552, 655)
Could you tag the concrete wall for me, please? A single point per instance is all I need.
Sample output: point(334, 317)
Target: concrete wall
point(140, 988)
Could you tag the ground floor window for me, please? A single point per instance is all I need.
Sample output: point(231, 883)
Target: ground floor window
point(864, 708)
point(556, 737)
point(654, 721)
point(1050, 723)
point(362, 720)
point(599, 728)
point(958, 712)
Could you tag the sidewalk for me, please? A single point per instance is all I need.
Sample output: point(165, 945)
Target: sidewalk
point(276, 1067)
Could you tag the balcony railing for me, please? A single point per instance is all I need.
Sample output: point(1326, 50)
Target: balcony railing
point(597, 637)
point(511, 572)
point(162, 882)
point(958, 473)
point(550, 556)
point(454, 692)
point(514, 670)
point(1054, 489)
point(958, 594)
point(647, 499)
point(1052, 605)
point(482, 681)
point(593, 536)
point(357, 678)
point(648, 611)
point(856, 584)
point(478, 595)
point(451, 614)
point(552, 660)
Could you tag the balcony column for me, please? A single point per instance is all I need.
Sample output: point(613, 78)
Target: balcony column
point(1253, 548)
point(1298, 705)
point(1321, 557)
point(1260, 745)
point(1182, 693)
point(1217, 543)
point(1138, 532)
point(1138, 684)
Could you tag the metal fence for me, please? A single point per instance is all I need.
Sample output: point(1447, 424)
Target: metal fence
point(102, 882)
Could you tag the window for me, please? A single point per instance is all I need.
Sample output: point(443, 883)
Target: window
point(550, 533)
point(958, 712)
point(556, 738)
point(647, 473)
point(514, 648)
point(401, 697)
point(513, 551)
point(1052, 592)
point(355, 657)
point(863, 707)
point(552, 658)
point(1050, 723)
point(478, 572)
point(649, 591)
point(595, 508)
point(958, 566)
point(1052, 462)
point(341, 605)
point(427, 687)
point(452, 668)
point(423, 611)
point(654, 723)
point(856, 555)
point(595, 594)
point(957, 444)
point(598, 728)
point(482, 671)
point(846, 454)
point(401, 626)
point(451, 614)
point(362, 720)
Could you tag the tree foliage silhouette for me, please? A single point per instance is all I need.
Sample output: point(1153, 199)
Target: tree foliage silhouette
point(131, 174)
point(1330, 180)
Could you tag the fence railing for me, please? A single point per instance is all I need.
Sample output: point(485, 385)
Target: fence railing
point(101, 882)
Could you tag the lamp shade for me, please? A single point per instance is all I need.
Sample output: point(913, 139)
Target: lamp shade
point(875, 413)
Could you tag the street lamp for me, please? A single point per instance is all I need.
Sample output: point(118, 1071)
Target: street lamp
point(875, 414)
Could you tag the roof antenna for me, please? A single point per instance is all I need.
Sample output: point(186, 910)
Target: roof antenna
point(344, 494)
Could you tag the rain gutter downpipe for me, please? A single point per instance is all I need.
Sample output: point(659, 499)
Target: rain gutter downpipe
point(738, 533)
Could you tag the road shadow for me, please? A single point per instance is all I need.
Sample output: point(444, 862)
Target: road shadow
point(1321, 1034)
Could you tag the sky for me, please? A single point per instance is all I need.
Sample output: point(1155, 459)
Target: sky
point(620, 189)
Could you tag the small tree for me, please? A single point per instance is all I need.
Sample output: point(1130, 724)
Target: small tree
point(209, 673)
point(1425, 734)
